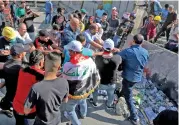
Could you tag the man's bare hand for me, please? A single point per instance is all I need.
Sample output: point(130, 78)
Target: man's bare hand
point(58, 51)
point(116, 50)
point(5, 52)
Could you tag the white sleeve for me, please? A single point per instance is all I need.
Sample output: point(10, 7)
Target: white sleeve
point(27, 38)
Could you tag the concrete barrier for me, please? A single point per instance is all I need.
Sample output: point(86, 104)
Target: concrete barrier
point(163, 65)
point(164, 69)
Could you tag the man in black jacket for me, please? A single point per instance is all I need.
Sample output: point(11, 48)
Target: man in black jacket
point(171, 18)
point(10, 74)
point(59, 19)
point(108, 65)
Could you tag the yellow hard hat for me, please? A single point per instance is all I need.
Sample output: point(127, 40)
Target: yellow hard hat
point(9, 32)
point(157, 18)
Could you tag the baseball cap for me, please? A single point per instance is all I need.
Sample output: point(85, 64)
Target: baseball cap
point(171, 6)
point(19, 48)
point(75, 46)
point(43, 33)
point(83, 11)
point(108, 45)
point(114, 8)
point(9, 32)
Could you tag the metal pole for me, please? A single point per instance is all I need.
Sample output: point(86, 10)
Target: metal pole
point(35, 2)
point(82, 4)
point(127, 5)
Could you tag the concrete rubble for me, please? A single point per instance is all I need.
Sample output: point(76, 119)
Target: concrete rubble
point(149, 102)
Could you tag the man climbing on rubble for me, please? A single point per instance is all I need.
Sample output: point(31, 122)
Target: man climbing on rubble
point(134, 60)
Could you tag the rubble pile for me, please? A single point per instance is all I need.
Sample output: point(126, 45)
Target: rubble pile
point(150, 101)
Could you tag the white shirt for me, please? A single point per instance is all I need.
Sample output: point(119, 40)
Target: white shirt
point(26, 38)
point(173, 31)
point(89, 38)
point(100, 33)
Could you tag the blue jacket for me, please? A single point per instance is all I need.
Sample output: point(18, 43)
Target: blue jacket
point(68, 35)
point(157, 8)
point(134, 60)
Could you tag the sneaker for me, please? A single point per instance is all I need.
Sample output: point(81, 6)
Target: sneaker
point(134, 122)
point(93, 103)
point(82, 117)
point(69, 123)
point(90, 100)
point(110, 107)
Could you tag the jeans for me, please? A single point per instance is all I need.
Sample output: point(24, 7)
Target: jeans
point(116, 40)
point(110, 88)
point(32, 35)
point(70, 109)
point(172, 45)
point(48, 18)
point(15, 22)
point(24, 120)
point(127, 93)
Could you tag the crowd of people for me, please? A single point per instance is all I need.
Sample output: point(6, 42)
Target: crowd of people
point(161, 22)
point(66, 65)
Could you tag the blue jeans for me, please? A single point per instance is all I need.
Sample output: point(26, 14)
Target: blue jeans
point(48, 18)
point(172, 45)
point(24, 119)
point(110, 88)
point(127, 93)
point(116, 40)
point(70, 109)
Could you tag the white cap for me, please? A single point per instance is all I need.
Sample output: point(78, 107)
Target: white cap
point(99, 25)
point(108, 45)
point(171, 6)
point(74, 46)
point(114, 8)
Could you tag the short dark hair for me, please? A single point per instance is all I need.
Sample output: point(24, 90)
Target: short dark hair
point(35, 57)
point(166, 6)
point(138, 39)
point(59, 10)
point(23, 1)
point(55, 27)
point(80, 38)
point(77, 11)
point(105, 14)
point(79, 16)
point(51, 60)
point(166, 117)
point(75, 15)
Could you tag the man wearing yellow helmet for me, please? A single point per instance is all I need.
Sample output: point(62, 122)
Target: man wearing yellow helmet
point(9, 36)
point(151, 28)
point(157, 18)
point(171, 18)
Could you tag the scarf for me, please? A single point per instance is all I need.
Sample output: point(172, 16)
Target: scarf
point(77, 58)
point(107, 55)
